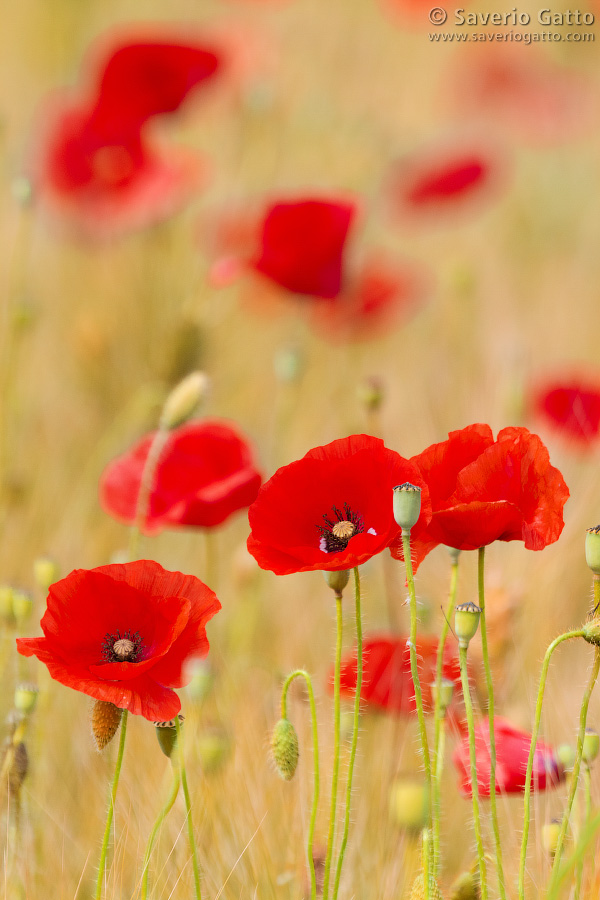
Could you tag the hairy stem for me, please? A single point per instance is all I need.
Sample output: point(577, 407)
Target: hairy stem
point(188, 811)
point(336, 745)
point(111, 806)
point(464, 675)
point(157, 825)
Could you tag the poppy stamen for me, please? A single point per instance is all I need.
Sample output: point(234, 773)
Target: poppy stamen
point(336, 534)
point(125, 647)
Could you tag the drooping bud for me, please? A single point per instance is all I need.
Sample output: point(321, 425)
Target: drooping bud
point(409, 803)
point(418, 889)
point(550, 835)
point(166, 732)
point(466, 622)
point(565, 754)
point(22, 605)
point(591, 631)
point(26, 697)
point(213, 747)
point(45, 572)
point(285, 749)
point(183, 400)
point(105, 720)
point(591, 745)
point(337, 581)
point(592, 549)
point(446, 693)
point(407, 505)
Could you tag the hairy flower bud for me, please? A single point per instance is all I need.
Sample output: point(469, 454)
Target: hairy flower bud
point(418, 889)
point(285, 749)
point(184, 399)
point(409, 803)
point(105, 720)
point(407, 505)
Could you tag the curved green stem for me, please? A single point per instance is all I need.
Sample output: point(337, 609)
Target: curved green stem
point(587, 815)
point(160, 819)
point(536, 727)
point(490, 693)
point(111, 806)
point(188, 810)
point(464, 676)
point(336, 744)
point(416, 680)
point(301, 673)
point(359, 676)
point(438, 717)
point(576, 767)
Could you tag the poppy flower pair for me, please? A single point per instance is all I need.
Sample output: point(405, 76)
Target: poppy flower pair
point(333, 509)
point(512, 753)
point(95, 165)
point(302, 245)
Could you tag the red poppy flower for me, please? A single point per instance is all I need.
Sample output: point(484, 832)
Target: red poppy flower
point(205, 473)
point(332, 509)
point(383, 295)
point(444, 179)
point(105, 181)
point(521, 88)
point(302, 245)
point(123, 633)
point(387, 679)
point(137, 78)
point(512, 753)
point(572, 408)
point(484, 490)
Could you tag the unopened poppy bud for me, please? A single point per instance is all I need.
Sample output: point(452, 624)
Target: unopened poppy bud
point(285, 749)
point(418, 889)
point(591, 745)
point(213, 747)
point(45, 572)
point(466, 887)
point(408, 803)
point(184, 399)
point(26, 698)
point(370, 393)
point(592, 549)
point(407, 505)
point(591, 631)
point(22, 605)
point(105, 720)
point(337, 581)
point(466, 622)
point(166, 732)
point(550, 835)
point(565, 754)
point(6, 604)
point(446, 693)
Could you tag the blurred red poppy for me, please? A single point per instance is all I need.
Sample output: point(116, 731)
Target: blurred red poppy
point(512, 752)
point(571, 408)
point(484, 490)
point(136, 78)
point(384, 294)
point(102, 183)
point(123, 633)
point(205, 473)
point(444, 179)
point(302, 245)
point(387, 680)
point(332, 509)
point(520, 88)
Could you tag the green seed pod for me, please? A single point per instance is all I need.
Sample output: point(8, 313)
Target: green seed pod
point(550, 834)
point(45, 572)
point(418, 889)
point(22, 605)
point(166, 732)
point(337, 581)
point(591, 745)
point(184, 399)
point(446, 693)
point(466, 623)
point(592, 549)
point(407, 505)
point(409, 803)
point(285, 749)
point(566, 756)
point(26, 698)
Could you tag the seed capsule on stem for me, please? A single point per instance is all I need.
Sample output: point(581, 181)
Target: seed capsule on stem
point(591, 745)
point(466, 622)
point(407, 505)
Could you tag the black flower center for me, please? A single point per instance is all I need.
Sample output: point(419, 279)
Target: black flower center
point(340, 526)
point(126, 647)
